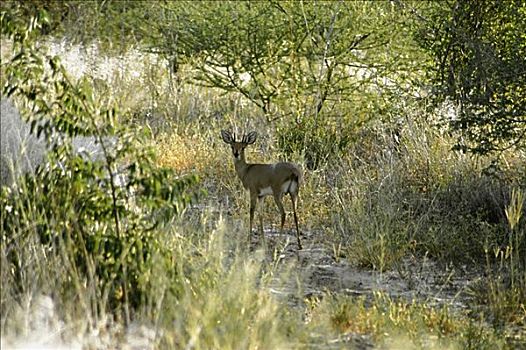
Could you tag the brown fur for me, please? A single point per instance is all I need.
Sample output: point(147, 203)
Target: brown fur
point(259, 178)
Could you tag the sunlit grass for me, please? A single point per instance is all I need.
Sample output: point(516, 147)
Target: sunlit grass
point(187, 154)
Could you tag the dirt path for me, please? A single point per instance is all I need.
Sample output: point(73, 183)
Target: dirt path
point(318, 271)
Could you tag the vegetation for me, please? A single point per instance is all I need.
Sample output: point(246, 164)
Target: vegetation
point(125, 224)
point(479, 52)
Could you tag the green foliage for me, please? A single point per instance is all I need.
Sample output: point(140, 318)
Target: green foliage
point(323, 69)
point(479, 53)
point(100, 211)
point(319, 141)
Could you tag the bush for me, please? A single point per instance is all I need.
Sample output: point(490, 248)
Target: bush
point(319, 142)
point(95, 213)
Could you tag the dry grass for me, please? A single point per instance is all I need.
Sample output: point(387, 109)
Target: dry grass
point(186, 154)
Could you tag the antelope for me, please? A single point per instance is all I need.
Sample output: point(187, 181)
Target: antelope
point(277, 179)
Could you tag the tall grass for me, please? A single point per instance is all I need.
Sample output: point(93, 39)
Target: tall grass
point(502, 293)
point(225, 299)
point(204, 292)
point(418, 196)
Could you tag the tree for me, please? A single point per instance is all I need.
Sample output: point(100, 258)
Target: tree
point(318, 69)
point(280, 54)
point(479, 52)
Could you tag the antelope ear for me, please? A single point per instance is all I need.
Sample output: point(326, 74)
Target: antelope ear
point(227, 136)
point(251, 138)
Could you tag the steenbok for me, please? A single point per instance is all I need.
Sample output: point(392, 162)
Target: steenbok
point(276, 179)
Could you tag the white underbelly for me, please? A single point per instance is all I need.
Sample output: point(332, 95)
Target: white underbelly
point(288, 186)
point(265, 192)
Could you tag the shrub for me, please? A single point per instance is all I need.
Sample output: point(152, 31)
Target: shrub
point(95, 214)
